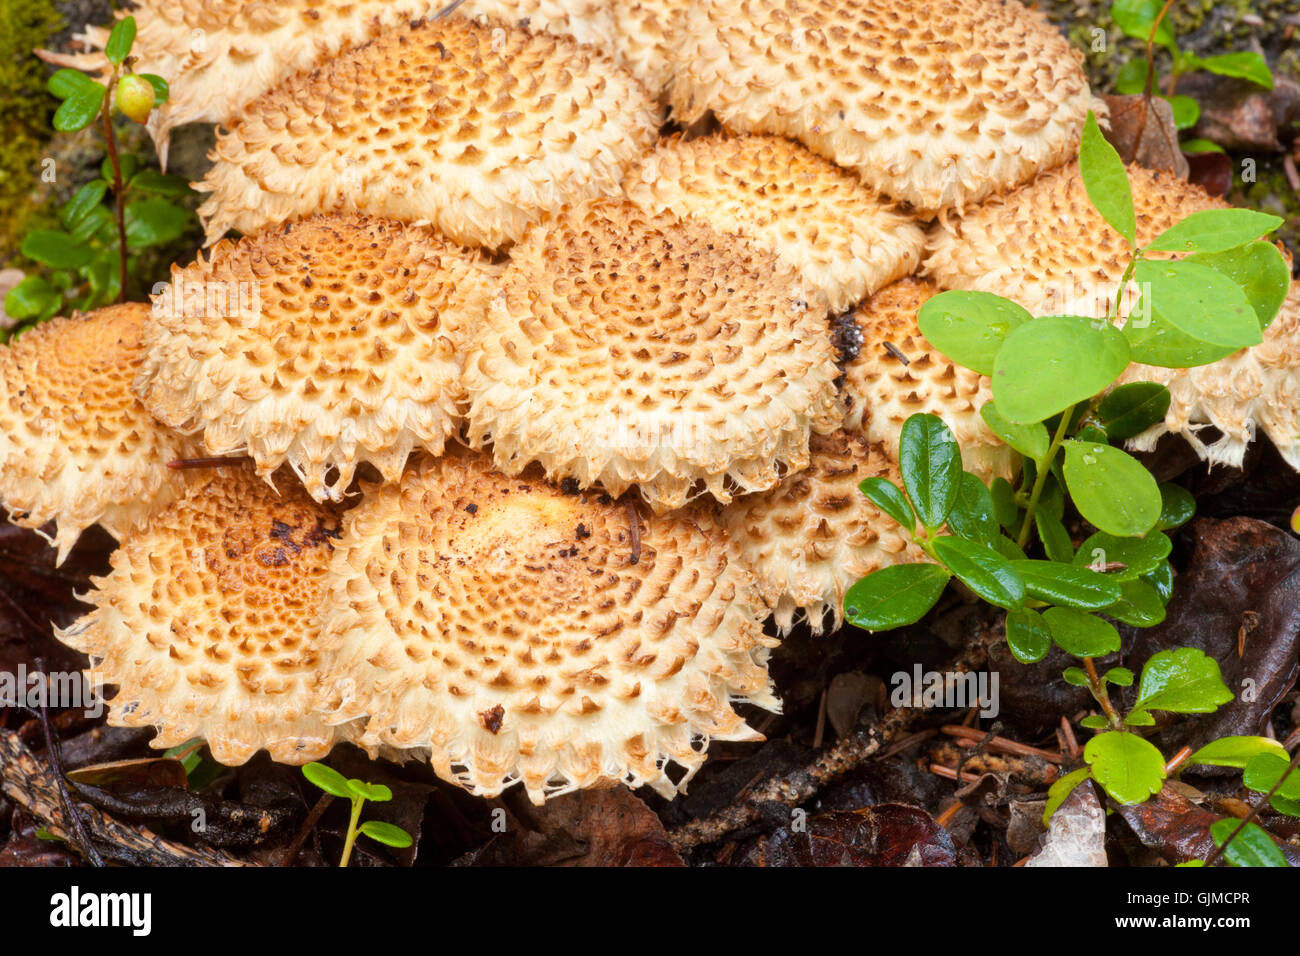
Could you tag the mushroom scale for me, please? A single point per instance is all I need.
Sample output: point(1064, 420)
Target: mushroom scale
point(936, 104)
point(76, 447)
point(1017, 246)
point(633, 349)
point(475, 126)
point(815, 216)
point(520, 633)
point(897, 373)
point(209, 622)
point(333, 343)
point(810, 538)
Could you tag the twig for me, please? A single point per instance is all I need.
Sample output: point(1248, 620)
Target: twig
point(634, 526)
point(119, 190)
point(56, 764)
point(1001, 744)
point(180, 464)
point(1151, 78)
point(291, 852)
point(448, 10)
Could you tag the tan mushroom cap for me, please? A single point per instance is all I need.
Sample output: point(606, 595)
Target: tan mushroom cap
point(209, 622)
point(627, 348)
point(813, 536)
point(884, 386)
point(524, 634)
point(218, 55)
point(477, 127)
point(646, 36)
point(76, 447)
point(333, 343)
point(1046, 247)
point(939, 105)
point(815, 216)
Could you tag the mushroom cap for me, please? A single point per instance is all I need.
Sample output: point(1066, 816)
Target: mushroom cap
point(1015, 246)
point(882, 390)
point(813, 536)
point(815, 216)
point(209, 621)
point(477, 127)
point(629, 348)
point(217, 55)
point(645, 36)
point(524, 634)
point(76, 447)
point(939, 106)
point(333, 343)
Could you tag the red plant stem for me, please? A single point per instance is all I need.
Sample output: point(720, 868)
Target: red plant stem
point(118, 188)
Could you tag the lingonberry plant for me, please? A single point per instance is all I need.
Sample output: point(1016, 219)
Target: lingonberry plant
point(358, 792)
point(1053, 402)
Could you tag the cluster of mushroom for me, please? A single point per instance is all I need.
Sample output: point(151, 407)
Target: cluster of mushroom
point(534, 414)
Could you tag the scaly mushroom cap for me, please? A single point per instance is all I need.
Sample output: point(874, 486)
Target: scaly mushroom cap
point(218, 55)
point(646, 35)
point(627, 348)
point(937, 104)
point(814, 535)
point(815, 216)
point(1046, 247)
point(477, 127)
point(884, 387)
point(524, 634)
point(76, 447)
point(335, 342)
point(209, 622)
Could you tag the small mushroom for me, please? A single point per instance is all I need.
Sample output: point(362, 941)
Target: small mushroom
point(333, 343)
point(208, 623)
point(476, 126)
point(814, 215)
point(523, 634)
point(897, 374)
point(76, 447)
point(634, 349)
point(938, 105)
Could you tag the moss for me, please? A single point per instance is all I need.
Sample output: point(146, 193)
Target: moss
point(27, 107)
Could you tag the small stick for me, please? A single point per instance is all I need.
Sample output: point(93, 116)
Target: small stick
point(1071, 742)
point(897, 353)
point(1000, 743)
point(308, 825)
point(181, 464)
point(821, 721)
point(448, 10)
point(939, 770)
point(56, 765)
point(949, 813)
point(634, 525)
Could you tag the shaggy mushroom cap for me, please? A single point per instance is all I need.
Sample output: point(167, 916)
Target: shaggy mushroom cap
point(646, 36)
point(523, 634)
point(218, 55)
point(76, 447)
point(627, 348)
point(1046, 247)
point(477, 127)
point(208, 623)
point(936, 104)
point(815, 216)
point(333, 343)
point(897, 373)
point(813, 536)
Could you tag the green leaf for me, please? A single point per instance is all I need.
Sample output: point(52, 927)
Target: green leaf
point(1132, 77)
point(894, 596)
point(983, 570)
point(1094, 722)
point(328, 779)
point(1236, 751)
point(1054, 362)
point(1136, 18)
point(79, 206)
point(119, 40)
point(1075, 676)
point(1177, 507)
point(1215, 230)
point(1008, 548)
point(1004, 504)
point(127, 161)
point(1200, 146)
point(55, 249)
point(1111, 489)
point(1030, 440)
point(1200, 302)
point(1028, 636)
point(969, 327)
point(1264, 771)
point(1131, 409)
point(65, 83)
point(386, 833)
point(931, 464)
point(1185, 109)
point(972, 516)
point(369, 791)
point(1251, 847)
point(1119, 676)
point(97, 219)
point(1080, 633)
point(1062, 788)
point(161, 91)
point(152, 222)
point(1128, 768)
point(1290, 808)
point(1244, 65)
point(1056, 540)
point(1139, 604)
point(1261, 271)
point(1162, 580)
point(1154, 341)
point(1183, 681)
point(1106, 181)
point(31, 298)
point(78, 111)
point(1065, 584)
point(152, 181)
point(889, 498)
